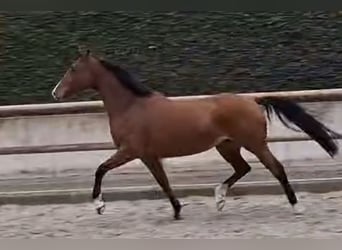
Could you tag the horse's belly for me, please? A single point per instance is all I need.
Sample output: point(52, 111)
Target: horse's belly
point(173, 146)
point(188, 131)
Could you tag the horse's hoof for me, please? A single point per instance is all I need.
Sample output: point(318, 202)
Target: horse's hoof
point(177, 217)
point(298, 209)
point(220, 205)
point(100, 210)
point(177, 206)
point(99, 204)
point(220, 196)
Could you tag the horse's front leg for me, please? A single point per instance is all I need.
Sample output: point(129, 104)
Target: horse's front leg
point(118, 159)
point(157, 170)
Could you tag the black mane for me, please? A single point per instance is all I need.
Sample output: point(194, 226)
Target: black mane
point(127, 80)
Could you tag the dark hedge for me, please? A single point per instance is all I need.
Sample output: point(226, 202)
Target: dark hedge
point(178, 53)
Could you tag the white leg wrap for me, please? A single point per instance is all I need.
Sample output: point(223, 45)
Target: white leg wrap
point(99, 204)
point(220, 196)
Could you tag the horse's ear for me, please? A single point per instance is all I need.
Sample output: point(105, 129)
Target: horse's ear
point(82, 51)
point(79, 50)
point(88, 52)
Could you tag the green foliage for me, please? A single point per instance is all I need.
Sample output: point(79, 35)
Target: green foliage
point(178, 53)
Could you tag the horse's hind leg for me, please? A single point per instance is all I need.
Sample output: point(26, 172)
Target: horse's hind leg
point(231, 153)
point(276, 168)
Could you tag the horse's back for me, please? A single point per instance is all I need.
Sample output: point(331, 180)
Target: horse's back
point(204, 111)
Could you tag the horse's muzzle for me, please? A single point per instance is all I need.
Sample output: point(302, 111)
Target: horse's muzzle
point(53, 93)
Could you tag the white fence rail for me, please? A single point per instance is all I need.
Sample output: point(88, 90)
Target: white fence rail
point(326, 95)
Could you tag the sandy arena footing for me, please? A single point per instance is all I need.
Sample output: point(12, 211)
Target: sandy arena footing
point(243, 217)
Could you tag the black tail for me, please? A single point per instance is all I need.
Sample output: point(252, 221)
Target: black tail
point(288, 111)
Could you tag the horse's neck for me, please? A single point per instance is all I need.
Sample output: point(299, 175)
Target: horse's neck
point(115, 97)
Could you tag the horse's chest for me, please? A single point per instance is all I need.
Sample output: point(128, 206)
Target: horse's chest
point(130, 134)
point(120, 131)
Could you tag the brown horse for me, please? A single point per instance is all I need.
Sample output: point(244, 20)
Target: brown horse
point(146, 125)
